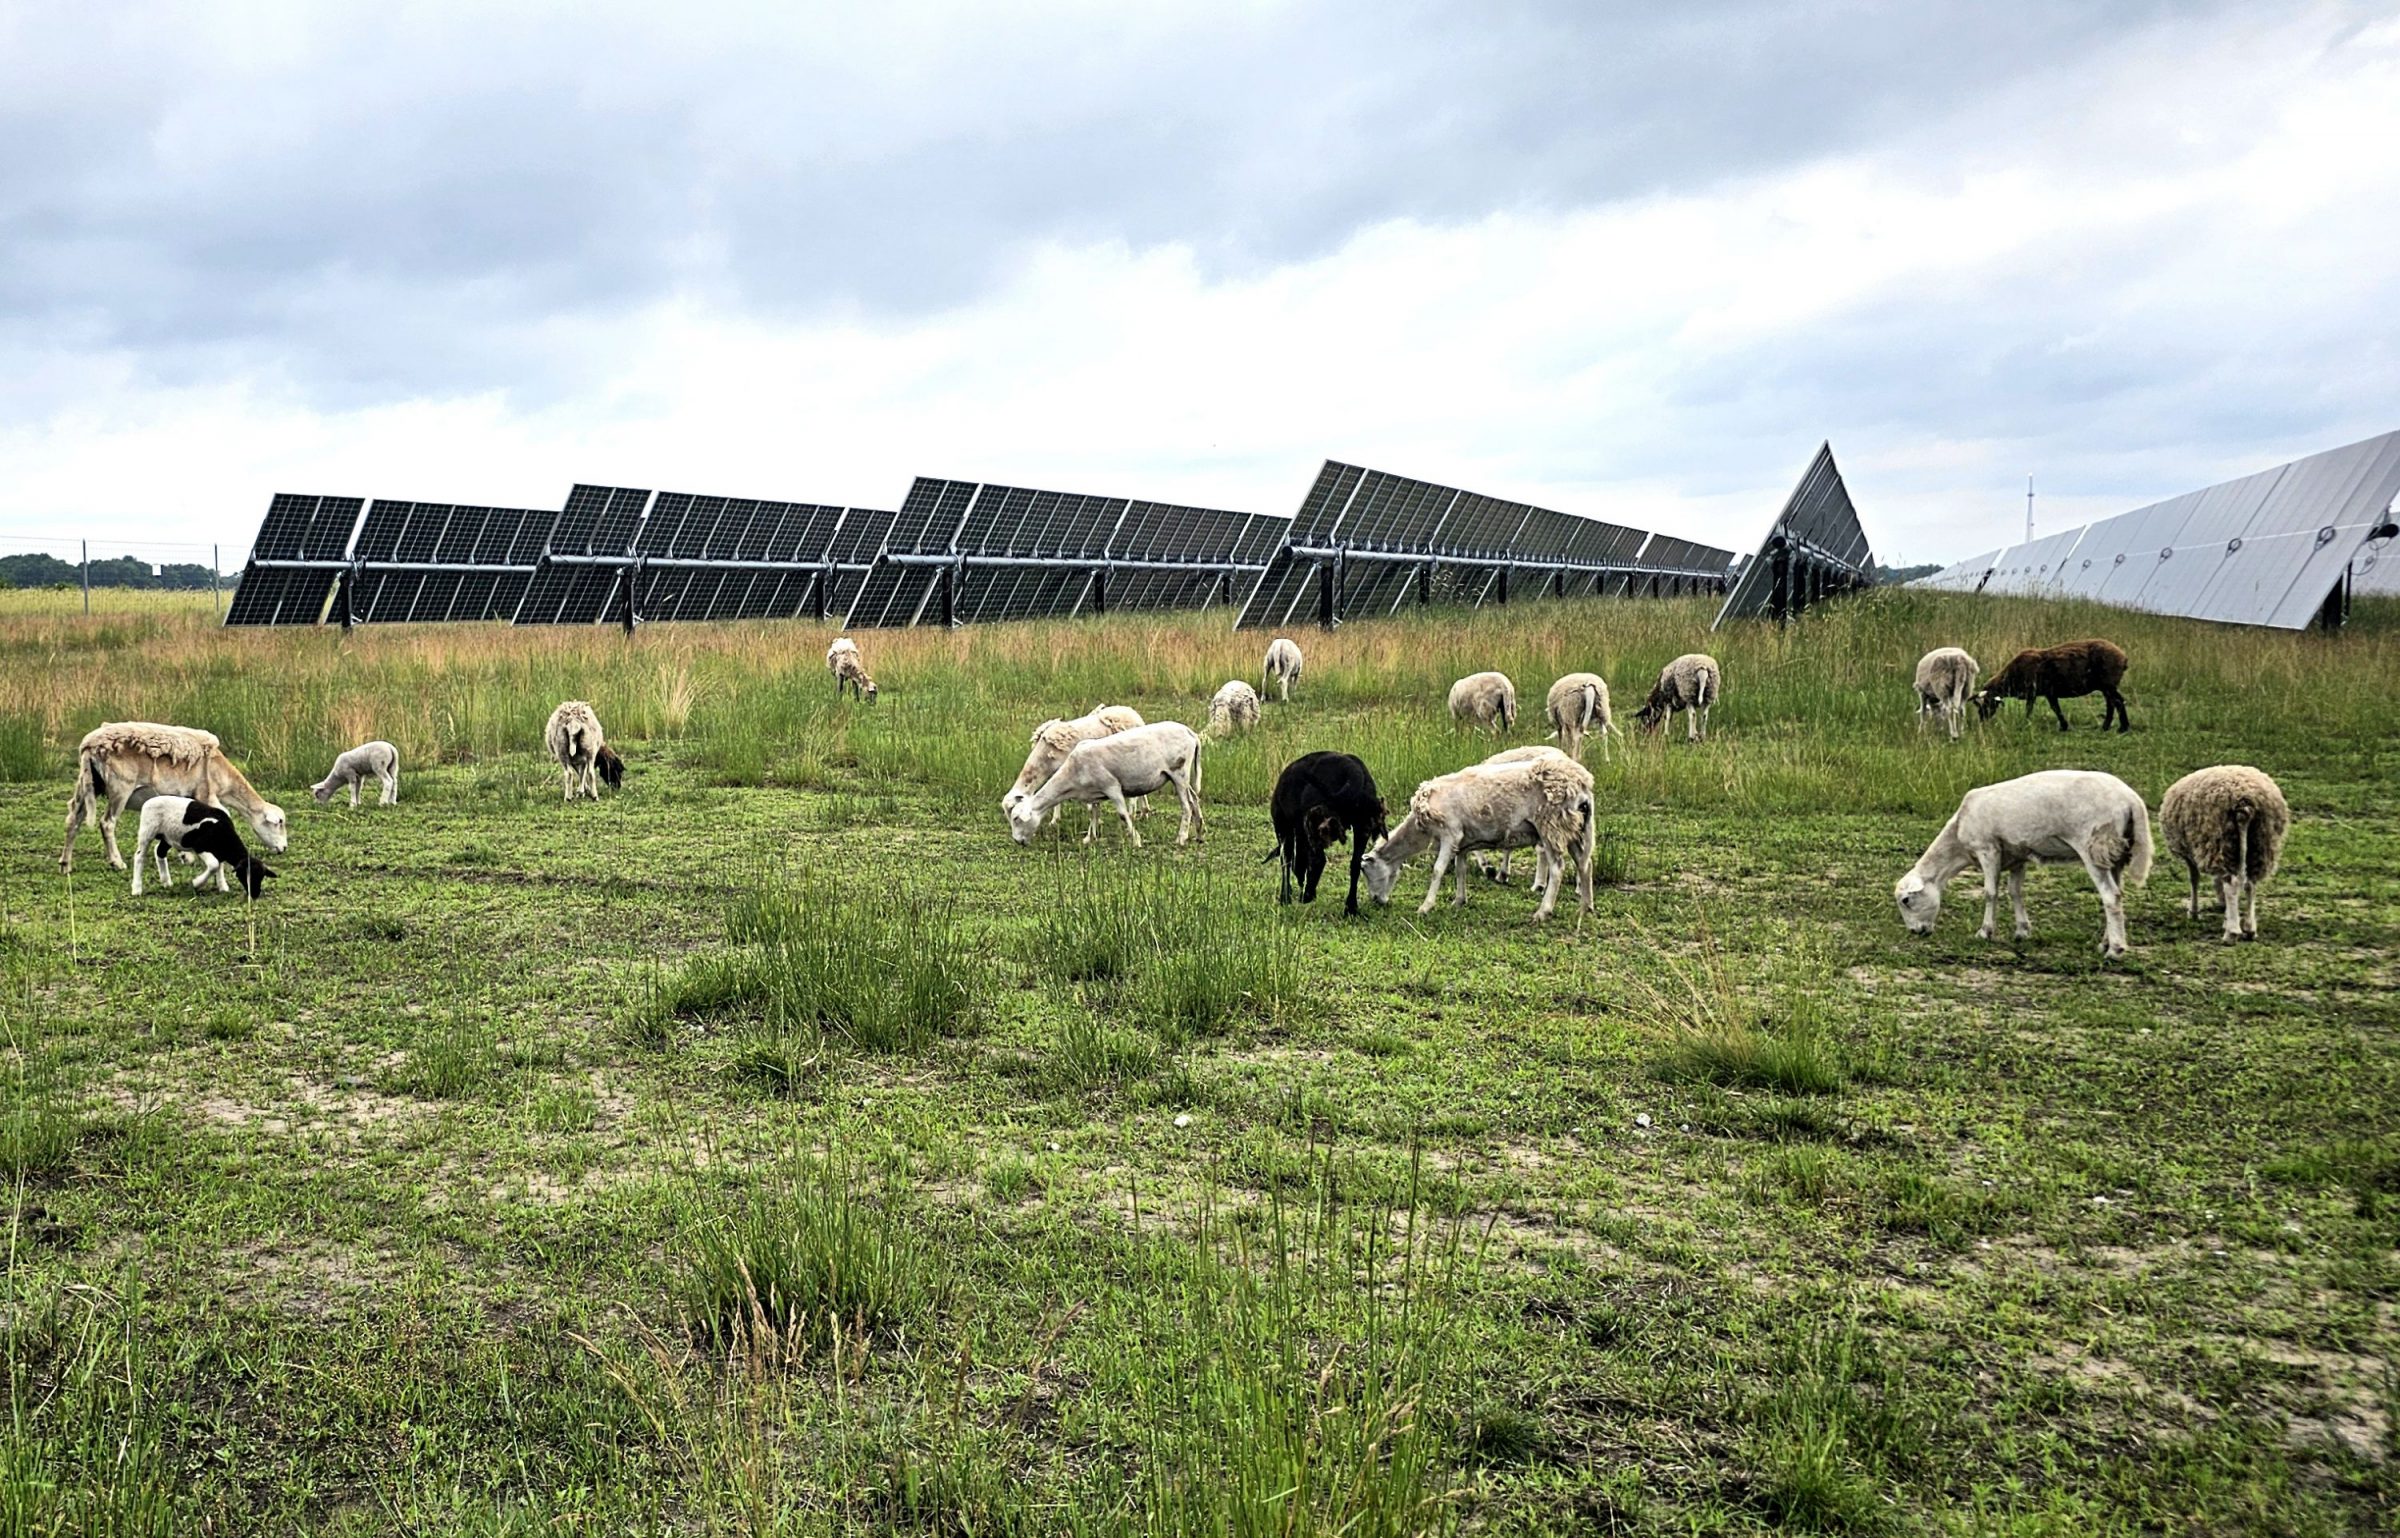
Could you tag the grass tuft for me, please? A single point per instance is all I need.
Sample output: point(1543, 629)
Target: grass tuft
point(809, 1260)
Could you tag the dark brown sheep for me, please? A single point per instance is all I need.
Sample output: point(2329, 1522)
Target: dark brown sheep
point(2057, 673)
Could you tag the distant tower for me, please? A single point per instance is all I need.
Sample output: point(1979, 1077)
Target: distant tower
point(2029, 509)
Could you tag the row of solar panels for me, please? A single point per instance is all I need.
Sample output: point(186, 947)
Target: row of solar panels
point(961, 551)
point(2265, 549)
point(1814, 548)
point(1366, 541)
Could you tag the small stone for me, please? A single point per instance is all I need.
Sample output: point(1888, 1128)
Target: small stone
point(1642, 1120)
point(1687, 1126)
point(1184, 1120)
point(2099, 1201)
point(1054, 1148)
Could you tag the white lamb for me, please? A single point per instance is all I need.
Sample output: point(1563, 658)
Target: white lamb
point(1578, 704)
point(379, 759)
point(1053, 740)
point(1545, 802)
point(1484, 699)
point(124, 759)
point(1115, 768)
point(2055, 814)
point(1945, 684)
point(1283, 666)
point(1233, 709)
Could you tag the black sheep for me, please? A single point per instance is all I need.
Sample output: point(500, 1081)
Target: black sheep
point(1319, 798)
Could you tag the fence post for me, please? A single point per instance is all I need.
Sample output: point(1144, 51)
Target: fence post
point(87, 579)
point(216, 591)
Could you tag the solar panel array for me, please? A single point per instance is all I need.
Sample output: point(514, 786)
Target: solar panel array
point(1814, 546)
point(1366, 542)
point(2266, 549)
point(301, 547)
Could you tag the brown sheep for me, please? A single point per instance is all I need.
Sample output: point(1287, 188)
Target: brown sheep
point(2228, 821)
point(2057, 673)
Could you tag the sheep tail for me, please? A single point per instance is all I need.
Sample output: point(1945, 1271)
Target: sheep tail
point(2243, 811)
point(2137, 869)
point(1198, 746)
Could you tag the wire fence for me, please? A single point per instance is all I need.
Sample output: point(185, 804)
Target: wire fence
point(100, 574)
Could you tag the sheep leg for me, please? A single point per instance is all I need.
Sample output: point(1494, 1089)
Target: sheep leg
point(2016, 903)
point(566, 784)
point(2112, 910)
point(2191, 909)
point(2229, 890)
point(2116, 702)
point(1358, 855)
point(1116, 798)
point(1546, 859)
point(2250, 925)
point(1091, 832)
point(1991, 892)
point(108, 825)
point(1189, 828)
point(391, 789)
point(2061, 714)
point(1442, 853)
point(1284, 893)
point(141, 857)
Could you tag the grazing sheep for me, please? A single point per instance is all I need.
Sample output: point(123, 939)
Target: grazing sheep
point(850, 671)
point(379, 759)
point(1283, 669)
point(1578, 704)
point(196, 828)
point(1234, 708)
point(1319, 799)
point(2057, 673)
point(841, 645)
point(1545, 802)
point(1945, 681)
point(2228, 822)
point(1054, 740)
point(1498, 870)
point(1116, 767)
point(124, 759)
point(1484, 698)
point(2055, 814)
point(583, 755)
point(1690, 683)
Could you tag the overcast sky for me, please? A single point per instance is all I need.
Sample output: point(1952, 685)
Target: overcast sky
point(1632, 261)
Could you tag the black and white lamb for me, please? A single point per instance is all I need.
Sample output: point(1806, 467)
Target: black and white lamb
point(1321, 798)
point(196, 828)
point(585, 760)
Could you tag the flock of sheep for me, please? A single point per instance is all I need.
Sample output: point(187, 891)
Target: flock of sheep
point(2227, 822)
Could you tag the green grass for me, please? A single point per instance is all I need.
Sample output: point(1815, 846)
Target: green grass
point(777, 1148)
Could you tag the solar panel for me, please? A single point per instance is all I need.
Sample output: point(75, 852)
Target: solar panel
point(296, 528)
point(2262, 549)
point(1817, 534)
point(598, 520)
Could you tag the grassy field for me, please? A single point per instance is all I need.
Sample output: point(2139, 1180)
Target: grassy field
point(775, 1148)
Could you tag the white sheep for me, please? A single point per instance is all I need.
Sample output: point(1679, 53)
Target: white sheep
point(1690, 683)
point(1545, 802)
point(1283, 666)
point(842, 646)
point(2227, 822)
point(850, 672)
point(1945, 685)
point(123, 759)
point(2055, 814)
point(1234, 708)
point(196, 828)
point(1578, 704)
point(1053, 740)
point(584, 757)
point(1499, 870)
point(1483, 699)
point(1115, 768)
point(379, 759)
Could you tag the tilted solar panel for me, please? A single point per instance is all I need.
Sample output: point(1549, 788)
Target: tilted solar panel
point(1818, 537)
point(296, 528)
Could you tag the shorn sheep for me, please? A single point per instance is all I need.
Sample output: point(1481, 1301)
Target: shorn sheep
point(1234, 708)
point(2055, 814)
point(1484, 699)
point(2057, 673)
point(1321, 798)
point(1282, 669)
point(1498, 870)
point(1691, 683)
point(1945, 683)
point(1578, 704)
point(584, 757)
point(379, 759)
point(1115, 769)
point(1054, 740)
point(2226, 823)
point(1546, 802)
point(123, 759)
point(195, 827)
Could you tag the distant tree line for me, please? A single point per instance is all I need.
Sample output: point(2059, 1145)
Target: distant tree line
point(1889, 575)
point(124, 571)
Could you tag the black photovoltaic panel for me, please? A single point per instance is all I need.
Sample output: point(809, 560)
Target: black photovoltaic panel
point(599, 520)
point(1819, 523)
point(296, 528)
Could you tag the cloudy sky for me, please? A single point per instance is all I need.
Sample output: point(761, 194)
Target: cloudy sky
point(1633, 261)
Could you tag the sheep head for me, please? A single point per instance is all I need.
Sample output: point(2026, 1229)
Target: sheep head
point(1382, 875)
point(612, 768)
point(1023, 824)
point(1987, 702)
point(272, 830)
point(1920, 903)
